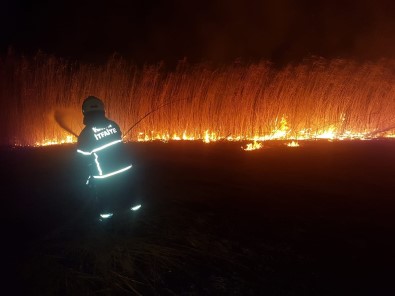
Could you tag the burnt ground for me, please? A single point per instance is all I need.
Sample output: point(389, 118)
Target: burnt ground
point(216, 220)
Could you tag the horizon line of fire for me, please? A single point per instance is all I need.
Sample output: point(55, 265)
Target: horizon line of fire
point(208, 137)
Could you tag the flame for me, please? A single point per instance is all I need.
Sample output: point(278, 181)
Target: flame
point(328, 134)
point(281, 133)
point(253, 146)
point(66, 140)
point(165, 137)
point(254, 102)
point(293, 144)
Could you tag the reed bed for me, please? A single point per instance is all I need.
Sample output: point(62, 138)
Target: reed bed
point(235, 101)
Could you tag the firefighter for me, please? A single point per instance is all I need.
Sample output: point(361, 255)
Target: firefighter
point(103, 151)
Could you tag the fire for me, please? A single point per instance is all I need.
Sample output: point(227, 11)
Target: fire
point(329, 134)
point(316, 99)
point(281, 132)
point(166, 137)
point(253, 146)
point(66, 140)
point(293, 144)
point(209, 137)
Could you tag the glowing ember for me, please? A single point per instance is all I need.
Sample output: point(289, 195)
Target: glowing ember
point(328, 134)
point(293, 144)
point(208, 137)
point(253, 146)
point(66, 140)
point(165, 137)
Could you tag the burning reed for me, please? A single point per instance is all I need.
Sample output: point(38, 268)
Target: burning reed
point(318, 98)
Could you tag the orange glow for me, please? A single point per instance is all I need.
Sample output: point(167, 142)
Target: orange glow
point(316, 99)
point(66, 140)
point(293, 144)
point(253, 146)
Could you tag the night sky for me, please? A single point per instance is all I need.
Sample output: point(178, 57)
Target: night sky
point(217, 30)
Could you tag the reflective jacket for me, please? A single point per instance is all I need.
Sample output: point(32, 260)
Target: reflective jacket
point(100, 142)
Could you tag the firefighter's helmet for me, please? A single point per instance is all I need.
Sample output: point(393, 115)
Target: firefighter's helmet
point(91, 104)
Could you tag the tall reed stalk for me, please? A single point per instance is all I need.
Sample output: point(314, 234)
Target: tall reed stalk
point(243, 100)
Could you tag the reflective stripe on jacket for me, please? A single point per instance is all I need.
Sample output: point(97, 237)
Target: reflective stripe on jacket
point(103, 146)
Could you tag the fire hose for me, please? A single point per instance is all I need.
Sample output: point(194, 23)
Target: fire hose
point(59, 119)
point(149, 113)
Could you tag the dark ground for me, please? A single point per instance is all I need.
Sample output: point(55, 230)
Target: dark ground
point(216, 220)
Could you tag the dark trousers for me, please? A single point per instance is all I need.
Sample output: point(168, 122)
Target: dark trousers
point(116, 193)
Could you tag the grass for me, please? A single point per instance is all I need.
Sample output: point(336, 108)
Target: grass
point(316, 220)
